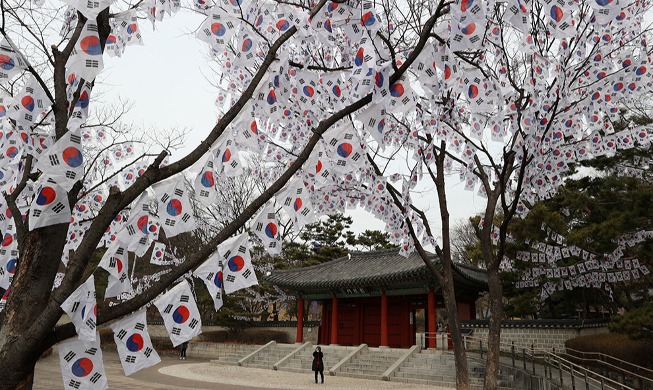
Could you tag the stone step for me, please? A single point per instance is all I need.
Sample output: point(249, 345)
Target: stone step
point(359, 375)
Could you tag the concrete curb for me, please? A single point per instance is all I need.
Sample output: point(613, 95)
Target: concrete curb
point(276, 365)
point(347, 358)
point(251, 355)
point(388, 373)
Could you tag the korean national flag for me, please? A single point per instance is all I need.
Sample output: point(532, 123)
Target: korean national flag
point(8, 264)
point(238, 272)
point(86, 59)
point(64, 161)
point(205, 182)
point(296, 202)
point(211, 274)
point(81, 365)
point(49, 206)
point(118, 285)
point(158, 253)
point(29, 104)
point(180, 314)
point(267, 229)
point(175, 210)
point(11, 63)
point(134, 344)
point(81, 307)
point(115, 259)
point(344, 146)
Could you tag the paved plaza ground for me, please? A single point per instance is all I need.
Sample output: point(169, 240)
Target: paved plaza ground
point(192, 373)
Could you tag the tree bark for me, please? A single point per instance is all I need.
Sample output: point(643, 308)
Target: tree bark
point(494, 329)
point(28, 297)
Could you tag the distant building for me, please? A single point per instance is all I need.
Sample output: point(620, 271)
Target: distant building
point(373, 297)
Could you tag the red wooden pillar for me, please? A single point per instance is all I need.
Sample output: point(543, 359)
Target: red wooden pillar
point(432, 330)
point(334, 319)
point(384, 319)
point(300, 320)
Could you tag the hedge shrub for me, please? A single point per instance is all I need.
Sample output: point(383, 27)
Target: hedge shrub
point(617, 345)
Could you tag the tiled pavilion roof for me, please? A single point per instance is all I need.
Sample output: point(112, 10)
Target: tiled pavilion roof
point(373, 270)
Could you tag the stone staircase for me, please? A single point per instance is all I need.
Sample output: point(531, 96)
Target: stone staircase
point(397, 365)
point(303, 359)
point(270, 355)
point(371, 363)
point(227, 354)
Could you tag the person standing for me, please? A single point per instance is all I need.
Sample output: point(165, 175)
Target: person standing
point(318, 363)
point(182, 350)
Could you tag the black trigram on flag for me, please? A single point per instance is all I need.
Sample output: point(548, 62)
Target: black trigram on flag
point(74, 384)
point(176, 331)
point(130, 359)
point(69, 356)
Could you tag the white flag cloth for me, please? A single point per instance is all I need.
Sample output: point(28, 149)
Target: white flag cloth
point(344, 148)
point(64, 161)
point(50, 206)
point(211, 274)
point(81, 365)
point(81, 307)
point(115, 259)
point(180, 314)
point(205, 189)
point(118, 285)
point(175, 210)
point(86, 59)
point(158, 253)
point(136, 230)
point(134, 344)
point(11, 63)
point(8, 263)
point(265, 226)
point(238, 272)
point(29, 104)
point(296, 202)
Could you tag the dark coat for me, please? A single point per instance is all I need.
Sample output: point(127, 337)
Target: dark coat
point(318, 362)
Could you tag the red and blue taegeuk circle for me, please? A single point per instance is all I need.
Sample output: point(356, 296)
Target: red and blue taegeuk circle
point(181, 314)
point(82, 367)
point(174, 207)
point(236, 263)
point(135, 342)
point(72, 156)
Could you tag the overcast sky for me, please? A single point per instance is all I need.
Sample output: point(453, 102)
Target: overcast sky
point(166, 80)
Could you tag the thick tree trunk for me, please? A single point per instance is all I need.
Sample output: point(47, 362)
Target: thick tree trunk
point(494, 332)
point(460, 356)
point(28, 298)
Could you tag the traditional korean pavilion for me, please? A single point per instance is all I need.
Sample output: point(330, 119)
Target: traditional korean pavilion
point(373, 297)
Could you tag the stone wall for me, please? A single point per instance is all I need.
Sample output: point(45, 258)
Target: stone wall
point(539, 334)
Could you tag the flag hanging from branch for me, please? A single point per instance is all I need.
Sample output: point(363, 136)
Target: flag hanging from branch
point(29, 104)
point(81, 307)
point(86, 58)
point(265, 226)
point(158, 253)
point(295, 200)
point(205, 188)
point(50, 205)
point(11, 62)
point(115, 259)
point(180, 314)
point(211, 274)
point(175, 210)
point(64, 161)
point(238, 271)
point(81, 365)
point(134, 344)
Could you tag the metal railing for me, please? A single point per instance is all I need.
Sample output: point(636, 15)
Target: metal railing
point(558, 369)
